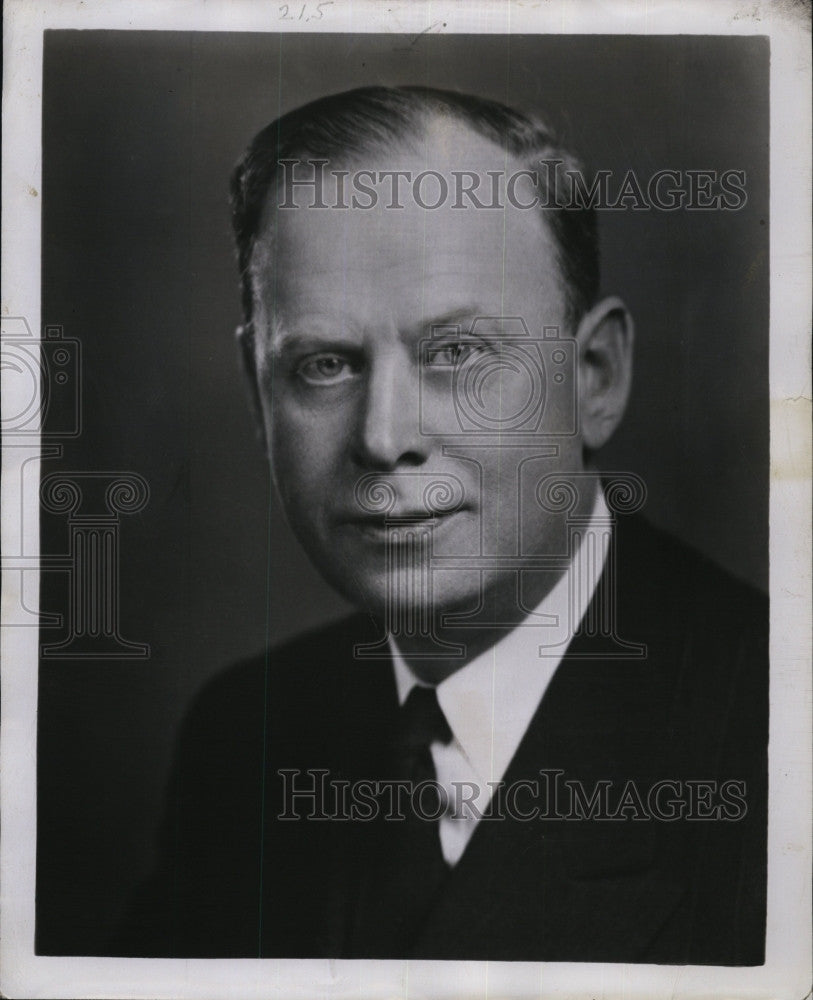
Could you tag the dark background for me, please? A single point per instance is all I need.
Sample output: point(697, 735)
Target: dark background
point(140, 132)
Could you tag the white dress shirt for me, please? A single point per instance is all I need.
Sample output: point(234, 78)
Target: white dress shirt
point(490, 702)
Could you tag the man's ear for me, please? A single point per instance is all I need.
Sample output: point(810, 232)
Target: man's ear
point(605, 336)
point(248, 359)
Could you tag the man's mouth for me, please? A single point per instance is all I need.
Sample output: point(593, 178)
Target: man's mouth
point(396, 524)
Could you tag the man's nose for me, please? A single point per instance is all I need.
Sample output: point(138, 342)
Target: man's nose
point(389, 433)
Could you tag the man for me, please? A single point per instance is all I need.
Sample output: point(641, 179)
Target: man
point(544, 736)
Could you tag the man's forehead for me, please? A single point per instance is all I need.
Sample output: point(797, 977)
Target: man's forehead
point(316, 266)
point(443, 184)
point(435, 258)
point(384, 235)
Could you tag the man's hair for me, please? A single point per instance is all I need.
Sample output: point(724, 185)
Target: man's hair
point(376, 119)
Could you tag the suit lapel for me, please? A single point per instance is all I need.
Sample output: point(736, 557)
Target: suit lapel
point(571, 889)
point(559, 889)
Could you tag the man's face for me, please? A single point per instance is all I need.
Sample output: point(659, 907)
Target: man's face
point(364, 382)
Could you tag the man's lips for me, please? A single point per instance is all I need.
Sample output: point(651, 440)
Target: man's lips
point(379, 526)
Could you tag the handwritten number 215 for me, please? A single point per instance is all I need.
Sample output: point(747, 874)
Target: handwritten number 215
point(286, 16)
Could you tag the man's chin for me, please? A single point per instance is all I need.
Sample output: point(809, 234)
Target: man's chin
point(403, 604)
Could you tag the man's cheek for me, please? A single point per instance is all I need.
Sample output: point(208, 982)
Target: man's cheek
point(308, 459)
point(305, 457)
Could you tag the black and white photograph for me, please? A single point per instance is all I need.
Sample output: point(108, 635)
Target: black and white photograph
point(406, 547)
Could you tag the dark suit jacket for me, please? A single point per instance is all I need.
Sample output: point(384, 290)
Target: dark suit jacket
point(234, 880)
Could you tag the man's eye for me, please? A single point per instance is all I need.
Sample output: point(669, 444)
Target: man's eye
point(326, 369)
point(453, 353)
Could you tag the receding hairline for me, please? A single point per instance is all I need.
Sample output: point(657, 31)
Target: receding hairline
point(384, 154)
point(380, 120)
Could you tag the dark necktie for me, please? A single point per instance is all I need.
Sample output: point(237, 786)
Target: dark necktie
point(421, 723)
point(410, 870)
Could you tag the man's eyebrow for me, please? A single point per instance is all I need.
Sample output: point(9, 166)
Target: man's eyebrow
point(313, 331)
point(463, 318)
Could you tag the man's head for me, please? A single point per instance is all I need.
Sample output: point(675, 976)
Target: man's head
point(377, 343)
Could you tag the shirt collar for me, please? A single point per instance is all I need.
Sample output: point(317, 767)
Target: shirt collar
point(489, 703)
